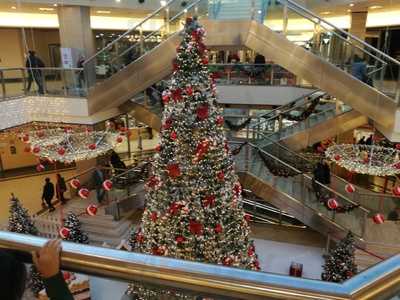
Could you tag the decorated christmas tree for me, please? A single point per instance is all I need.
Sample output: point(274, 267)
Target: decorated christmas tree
point(19, 221)
point(72, 230)
point(340, 263)
point(193, 197)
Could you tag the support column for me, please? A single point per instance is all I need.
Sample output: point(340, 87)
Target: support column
point(76, 38)
point(358, 24)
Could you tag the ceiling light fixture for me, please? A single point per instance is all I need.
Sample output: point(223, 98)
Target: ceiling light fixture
point(103, 12)
point(375, 7)
point(55, 4)
point(46, 8)
point(13, 7)
point(351, 4)
point(163, 3)
point(325, 13)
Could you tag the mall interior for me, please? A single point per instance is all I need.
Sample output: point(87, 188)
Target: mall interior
point(220, 149)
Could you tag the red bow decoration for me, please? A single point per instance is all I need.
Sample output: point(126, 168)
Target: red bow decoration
point(173, 170)
point(180, 239)
point(202, 112)
point(177, 94)
point(153, 181)
point(174, 208)
point(218, 228)
point(209, 200)
point(195, 227)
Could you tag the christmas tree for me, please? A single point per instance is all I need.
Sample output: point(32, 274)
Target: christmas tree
point(72, 230)
point(340, 263)
point(193, 208)
point(19, 221)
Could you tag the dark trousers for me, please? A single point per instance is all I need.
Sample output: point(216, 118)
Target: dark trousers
point(61, 197)
point(100, 193)
point(49, 205)
point(37, 76)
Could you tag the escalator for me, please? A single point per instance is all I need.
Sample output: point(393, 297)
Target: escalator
point(328, 73)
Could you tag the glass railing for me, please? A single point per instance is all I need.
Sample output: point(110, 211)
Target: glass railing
point(137, 41)
point(299, 185)
point(336, 46)
point(167, 276)
point(18, 82)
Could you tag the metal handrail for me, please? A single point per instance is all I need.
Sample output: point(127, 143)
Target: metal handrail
point(157, 11)
point(208, 278)
point(299, 7)
point(309, 178)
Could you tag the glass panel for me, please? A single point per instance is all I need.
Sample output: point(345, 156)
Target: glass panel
point(336, 46)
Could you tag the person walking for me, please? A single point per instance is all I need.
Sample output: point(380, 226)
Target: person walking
point(61, 188)
point(98, 178)
point(48, 193)
point(359, 68)
point(33, 63)
point(322, 175)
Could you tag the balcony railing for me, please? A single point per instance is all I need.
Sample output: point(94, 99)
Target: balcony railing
point(379, 282)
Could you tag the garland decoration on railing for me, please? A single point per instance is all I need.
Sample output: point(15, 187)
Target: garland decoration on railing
point(237, 150)
point(331, 204)
point(275, 167)
point(305, 114)
point(237, 127)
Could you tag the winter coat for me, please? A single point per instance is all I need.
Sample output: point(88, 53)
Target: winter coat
point(48, 191)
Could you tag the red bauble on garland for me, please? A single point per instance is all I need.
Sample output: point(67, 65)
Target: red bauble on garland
point(202, 112)
point(237, 188)
point(75, 183)
point(332, 203)
point(220, 120)
point(195, 227)
point(168, 123)
point(227, 261)
point(107, 185)
point(92, 146)
point(221, 175)
point(247, 217)
point(40, 168)
point(61, 151)
point(180, 239)
point(378, 219)
point(173, 135)
point(189, 91)
point(119, 139)
point(91, 210)
point(36, 149)
point(84, 193)
point(64, 232)
point(158, 148)
point(173, 170)
point(25, 138)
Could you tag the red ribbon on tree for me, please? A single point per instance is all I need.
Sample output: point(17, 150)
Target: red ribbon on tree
point(173, 170)
point(202, 112)
point(209, 200)
point(177, 94)
point(195, 227)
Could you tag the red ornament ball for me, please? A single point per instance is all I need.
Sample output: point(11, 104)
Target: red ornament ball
point(154, 216)
point(107, 185)
point(167, 124)
point(61, 151)
point(350, 188)
point(92, 146)
point(337, 157)
point(177, 94)
point(221, 175)
point(36, 149)
point(27, 149)
point(180, 239)
point(158, 148)
point(173, 135)
point(227, 261)
point(247, 217)
point(396, 191)
point(40, 168)
point(332, 203)
point(173, 170)
point(220, 120)
point(25, 138)
point(64, 232)
point(378, 218)
point(75, 183)
point(398, 146)
point(84, 193)
point(189, 91)
point(91, 210)
point(119, 139)
point(209, 200)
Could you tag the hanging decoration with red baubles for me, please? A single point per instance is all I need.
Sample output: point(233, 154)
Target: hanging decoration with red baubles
point(378, 219)
point(350, 188)
point(107, 185)
point(366, 159)
point(91, 210)
point(40, 168)
point(64, 232)
point(396, 191)
point(332, 203)
point(84, 193)
point(75, 183)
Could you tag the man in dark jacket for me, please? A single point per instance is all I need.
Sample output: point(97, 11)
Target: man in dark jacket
point(33, 63)
point(48, 194)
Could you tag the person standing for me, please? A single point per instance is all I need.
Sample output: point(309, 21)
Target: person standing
point(359, 68)
point(322, 176)
point(61, 188)
point(98, 178)
point(33, 63)
point(48, 193)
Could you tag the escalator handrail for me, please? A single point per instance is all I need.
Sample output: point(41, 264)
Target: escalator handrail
point(152, 15)
point(341, 196)
point(297, 7)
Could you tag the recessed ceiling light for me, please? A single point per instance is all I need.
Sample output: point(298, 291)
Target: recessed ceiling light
point(349, 10)
point(13, 7)
point(103, 12)
point(259, 11)
point(55, 4)
point(46, 8)
point(375, 7)
point(351, 4)
point(117, 0)
point(326, 13)
point(163, 3)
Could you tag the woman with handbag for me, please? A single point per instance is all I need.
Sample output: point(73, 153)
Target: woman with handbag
point(61, 188)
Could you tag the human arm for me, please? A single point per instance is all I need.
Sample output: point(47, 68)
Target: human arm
point(47, 261)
